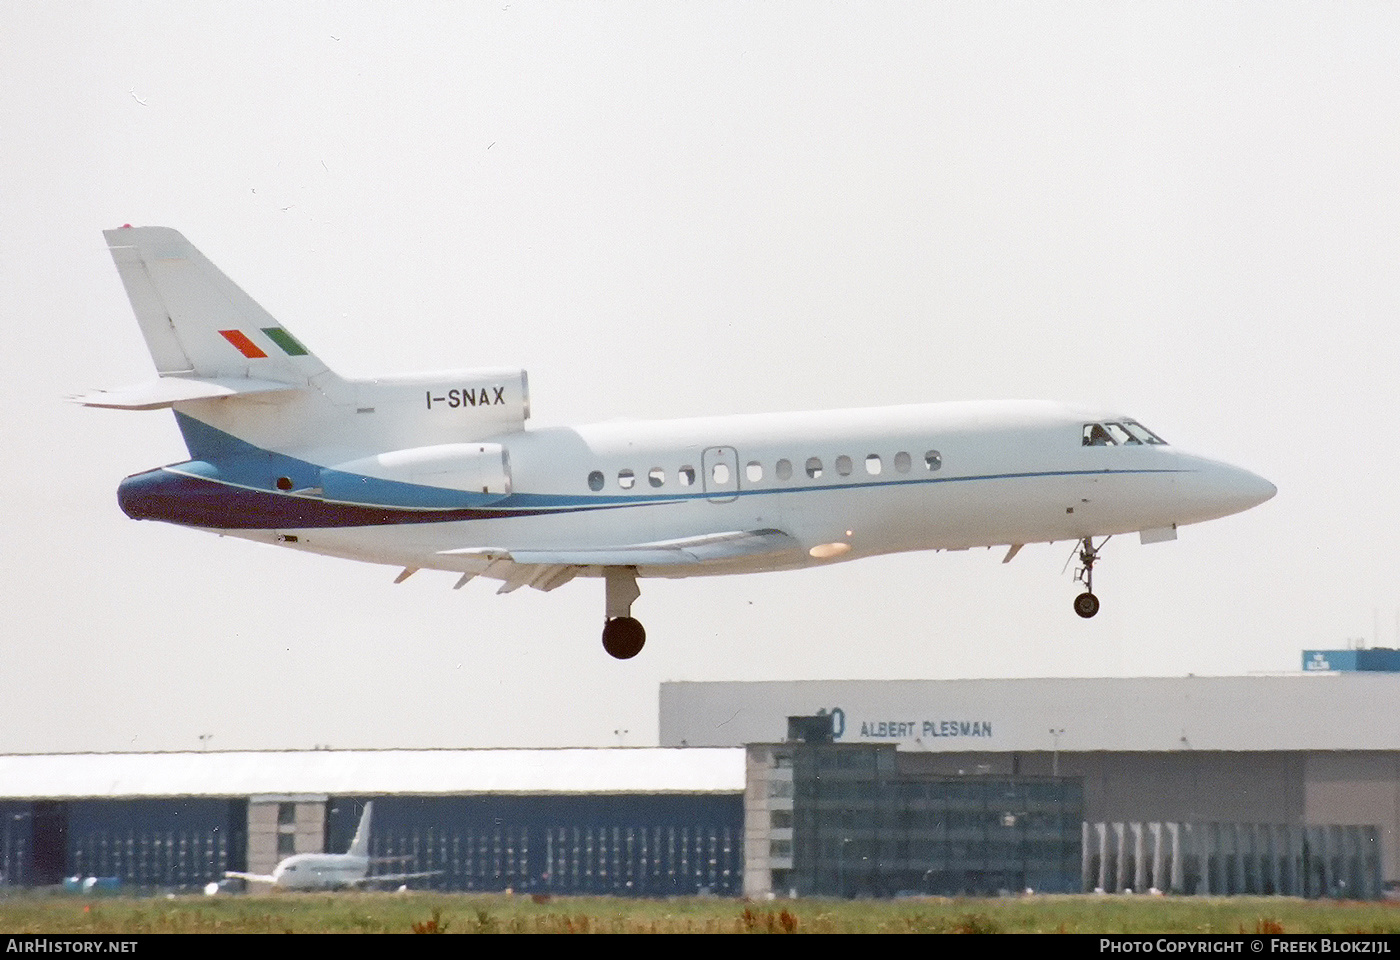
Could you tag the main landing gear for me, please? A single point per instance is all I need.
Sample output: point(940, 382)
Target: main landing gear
point(1086, 604)
point(623, 636)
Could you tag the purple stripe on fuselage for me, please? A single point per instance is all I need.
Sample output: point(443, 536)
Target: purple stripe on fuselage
point(197, 502)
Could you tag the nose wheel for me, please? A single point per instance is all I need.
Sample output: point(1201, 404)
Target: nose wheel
point(1086, 604)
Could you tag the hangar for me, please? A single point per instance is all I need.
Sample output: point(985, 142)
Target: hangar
point(1245, 764)
point(619, 820)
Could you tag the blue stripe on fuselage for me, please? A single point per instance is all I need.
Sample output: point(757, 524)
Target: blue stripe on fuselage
point(232, 484)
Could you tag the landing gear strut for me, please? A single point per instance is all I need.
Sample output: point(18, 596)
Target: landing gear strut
point(1086, 604)
point(623, 636)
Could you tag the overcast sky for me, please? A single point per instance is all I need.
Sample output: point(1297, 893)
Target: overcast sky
point(1186, 211)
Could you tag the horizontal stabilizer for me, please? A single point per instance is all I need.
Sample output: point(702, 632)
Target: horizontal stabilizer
point(158, 394)
point(710, 548)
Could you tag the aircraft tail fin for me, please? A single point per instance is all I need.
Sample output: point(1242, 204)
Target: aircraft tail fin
point(198, 323)
point(241, 384)
point(359, 847)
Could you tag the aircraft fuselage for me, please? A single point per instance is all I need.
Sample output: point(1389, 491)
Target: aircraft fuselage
point(320, 871)
point(868, 481)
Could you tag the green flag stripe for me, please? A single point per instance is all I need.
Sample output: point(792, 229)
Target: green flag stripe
point(286, 341)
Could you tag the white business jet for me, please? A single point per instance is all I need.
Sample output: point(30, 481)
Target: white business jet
point(440, 470)
point(331, 871)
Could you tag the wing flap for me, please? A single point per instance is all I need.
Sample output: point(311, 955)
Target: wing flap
point(686, 551)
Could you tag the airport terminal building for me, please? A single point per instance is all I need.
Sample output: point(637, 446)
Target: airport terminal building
point(1221, 785)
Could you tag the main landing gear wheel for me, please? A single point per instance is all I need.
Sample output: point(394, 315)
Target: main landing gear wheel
point(623, 637)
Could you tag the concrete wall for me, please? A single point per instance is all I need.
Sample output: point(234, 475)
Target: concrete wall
point(767, 788)
point(307, 830)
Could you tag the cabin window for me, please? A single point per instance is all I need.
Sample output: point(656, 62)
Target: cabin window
point(686, 476)
point(720, 474)
point(656, 477)
point(814, 467)
point(873, 466)
point(595, 480)
point(754, 471)
point(933, 460)
point(783, 469)
point(843, 465)
point(902, 461)
point(626, 479)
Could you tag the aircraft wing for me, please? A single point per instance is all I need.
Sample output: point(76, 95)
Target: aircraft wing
point(687, 551)
point(396, 877)
point(156, 394)
point(255, 877)
point(545, 569)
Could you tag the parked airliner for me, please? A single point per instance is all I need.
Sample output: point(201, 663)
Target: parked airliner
point(441, 471)
point(331, 871)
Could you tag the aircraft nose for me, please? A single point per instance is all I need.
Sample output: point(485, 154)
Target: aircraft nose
point(1224, 489)
point(1253, 489)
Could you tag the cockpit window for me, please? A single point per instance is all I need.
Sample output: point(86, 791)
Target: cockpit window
point(1120, 433)
point(1114, 433)
point(1096, 436)
point(1142, 433)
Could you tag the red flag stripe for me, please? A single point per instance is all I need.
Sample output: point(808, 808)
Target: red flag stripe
point(245, 346)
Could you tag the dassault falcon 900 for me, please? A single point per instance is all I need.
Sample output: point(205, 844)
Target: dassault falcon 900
point(441, 471)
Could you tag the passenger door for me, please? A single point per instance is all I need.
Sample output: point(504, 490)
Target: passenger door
point(720, 473)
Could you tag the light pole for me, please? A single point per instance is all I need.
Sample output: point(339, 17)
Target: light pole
point(841, 868)
point(1055, 755)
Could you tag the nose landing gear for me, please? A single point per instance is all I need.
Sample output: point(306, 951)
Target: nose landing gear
point(1086, 604)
